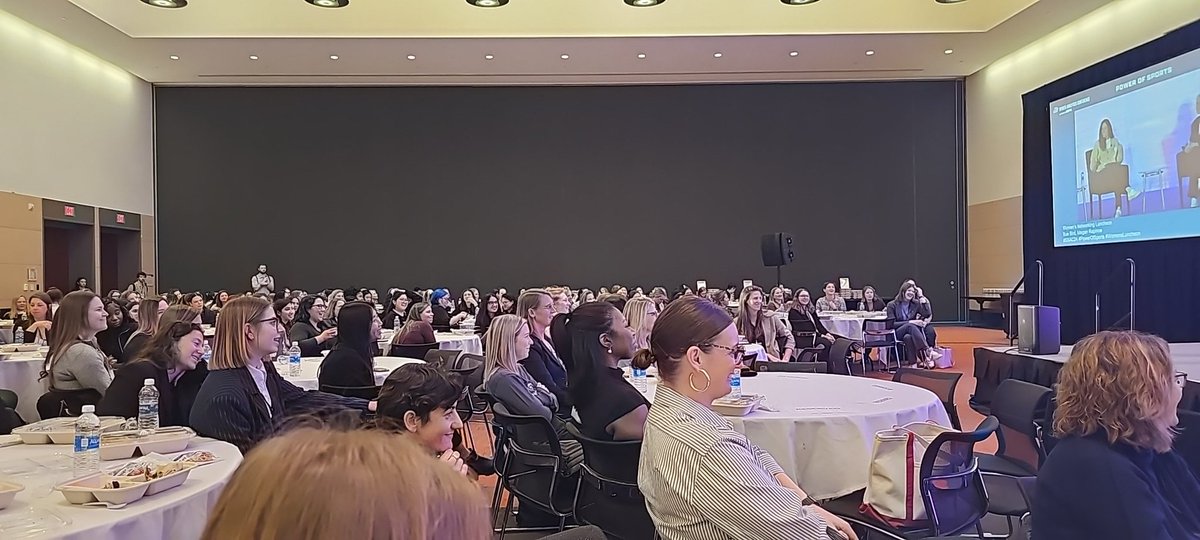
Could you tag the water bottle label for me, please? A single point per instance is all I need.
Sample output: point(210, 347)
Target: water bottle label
point(84, 443)
point(147, 409)
point(639, 373)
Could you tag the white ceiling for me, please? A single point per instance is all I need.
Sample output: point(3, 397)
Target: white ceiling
point(449, 39)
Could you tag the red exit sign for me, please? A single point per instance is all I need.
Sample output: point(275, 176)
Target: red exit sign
point(69, 211)
point(120, 218)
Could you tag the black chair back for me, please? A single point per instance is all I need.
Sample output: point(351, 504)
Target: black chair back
point(412, 351)
point(442, 359)
point(792, 367)
point(951, 484)
point(535, 469)
point(1017, 405)
point(839, 356)
point(941, 383)
point(608, 496)
point(60, 403)
point(1187, 443)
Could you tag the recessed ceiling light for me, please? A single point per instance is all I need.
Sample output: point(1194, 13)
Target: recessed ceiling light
point(329, 3)
point(173, 57)
point(565, 56)
point(794, 53)
point(169, 4)
point(412, 57)
point(333, 57)
point(717, 55)
point(950, 1)
point(254, 57)
point(799, 2)
point(487, 3)
point(644, 3)
point(641, 56)
point(870, 53)
point(949, 51)
point(488, 57)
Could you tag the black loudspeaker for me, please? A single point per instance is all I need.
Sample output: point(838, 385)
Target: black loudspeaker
point(1038, 330)
point(777, 249)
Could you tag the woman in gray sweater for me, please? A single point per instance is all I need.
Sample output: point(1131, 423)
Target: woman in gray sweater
point(75, 361)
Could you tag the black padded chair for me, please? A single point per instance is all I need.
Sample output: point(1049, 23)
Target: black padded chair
point(1011, 471)
point(1187, 443)
point(442, 358)
point(877, 335)
point(412, 351)
point(792, 367)
point(941, 383)
point(364, 392)
point(9, 419)
point(60, 403)
point(951, 488)
point(608, 495)
point(535, 469)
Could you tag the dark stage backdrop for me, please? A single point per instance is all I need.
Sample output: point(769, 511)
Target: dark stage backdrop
point(1167, 285)
point(650, 185)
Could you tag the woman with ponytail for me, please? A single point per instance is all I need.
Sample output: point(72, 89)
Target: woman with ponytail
point(592, 339)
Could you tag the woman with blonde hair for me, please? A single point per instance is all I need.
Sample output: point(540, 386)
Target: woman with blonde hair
point(760, 326)
point(1113, 474)
point(346, 484)
point(641, 312)
point(149, 311)
point(243, 398)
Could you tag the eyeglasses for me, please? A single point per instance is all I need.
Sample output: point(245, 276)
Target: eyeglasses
point(274, 321)
point(1181, 379)
point(736, 352)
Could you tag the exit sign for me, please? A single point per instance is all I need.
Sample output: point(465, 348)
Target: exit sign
point(68, 211)
point(120, 218)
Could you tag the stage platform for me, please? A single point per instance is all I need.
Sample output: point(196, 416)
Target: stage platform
point(994, 364)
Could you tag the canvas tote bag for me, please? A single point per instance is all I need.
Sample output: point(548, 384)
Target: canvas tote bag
point(893, 488)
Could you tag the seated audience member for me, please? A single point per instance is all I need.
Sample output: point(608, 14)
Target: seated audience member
point(120, 327)
point(506, 379)
point(351, 363)
point(174, 359)
point(870, 300)
point(37, 327)
point(81, 284)
point(149, 311)
point(56, 296)
point(286, 309)
point(310, 329)
point(718, 297)
point(561, 299)
point(908, 317)
point(585, 296)
point(831, 301)
point(508, 303)
point(930, 333)
point(75, 362)
point(421, 401)
point(331, 313)
point(417, 330)
point(467, 303)
point(762, 327)
point(542, 363)
point(779, 301)
point(595, 337)
point(179, 312)
point(441, 304)
point(803, 318)
point(397, 310)
point(244, 398)
point(489, 311)
point(641, 314)
point(700, 477)
point(361, 484)
point(616, 300)
point(20, 310)
point(1113, 475)
point(196, 300)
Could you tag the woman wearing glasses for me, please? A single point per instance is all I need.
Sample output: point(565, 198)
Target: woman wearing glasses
point(310, 329)
point(700, 477)
point(243, 398)
point(1113, 474)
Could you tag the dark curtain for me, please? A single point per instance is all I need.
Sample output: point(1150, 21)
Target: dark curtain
point(1168, 271)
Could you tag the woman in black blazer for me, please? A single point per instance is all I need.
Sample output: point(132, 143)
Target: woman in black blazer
point(537, 308)
point(243, 399)
point(174, 359)
point(908, 315)
point(311, 330)
point(351, 364)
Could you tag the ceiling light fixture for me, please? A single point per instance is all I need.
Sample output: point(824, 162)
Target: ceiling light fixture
point(487, 3)
point(641, 56)
point(169, 4)
point(333, 57)
point(794, 53)
point(644, 3)
point(488, 57)
point(565, 57)
point(329, 3)
point(412, 57)
point(173, 57)
point(799, 2)
point(870, 53)
point(254, 57)
point(717, 55)
point(949, 51)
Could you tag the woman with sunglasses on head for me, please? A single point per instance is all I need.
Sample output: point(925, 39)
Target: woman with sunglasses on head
point(701, 478)
point(173, 358)
point(243, 398)
point(310, 329)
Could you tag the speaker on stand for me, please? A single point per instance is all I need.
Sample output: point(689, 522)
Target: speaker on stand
point(777, 252)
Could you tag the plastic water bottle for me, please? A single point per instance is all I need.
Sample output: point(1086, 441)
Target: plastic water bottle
point(294, 360)
point(735, 384)
point(87, 442)
point(396, 323)
point(18, 334)
point(207, 354)
point(639, 379)
point(147, 408)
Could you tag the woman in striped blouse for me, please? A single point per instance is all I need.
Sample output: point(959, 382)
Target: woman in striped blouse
point(703, 480)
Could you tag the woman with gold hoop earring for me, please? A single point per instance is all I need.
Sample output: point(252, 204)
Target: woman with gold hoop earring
point(701, 478)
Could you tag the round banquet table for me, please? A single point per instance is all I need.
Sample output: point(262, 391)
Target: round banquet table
point(447, 341)
point(310, 367)
point(848, 325)
point(19, 373)
point(40, 512)
point(822, 428)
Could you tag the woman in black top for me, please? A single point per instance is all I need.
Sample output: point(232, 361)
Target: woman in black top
point(489, 311)
point(311, 329)
point(508, 303)
point(150, 311)
point(870, 300)
point(397, 309)
point(350, 364)
point(120, 327)
point(174, 359)
point(467, 303)
point(594, 337)
point(196, 300)
point(37, 326)
point(907, 315)
point(443, 319)
point(285, 309)
point(807, 327)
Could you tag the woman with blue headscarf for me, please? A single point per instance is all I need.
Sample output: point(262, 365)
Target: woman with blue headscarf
point(443, 320)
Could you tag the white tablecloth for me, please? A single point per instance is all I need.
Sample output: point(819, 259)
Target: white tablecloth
point(447, 341)
point(824, 430)
point(310, 368)
point(19, 373)
point(177, 514)
point(848, 325)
